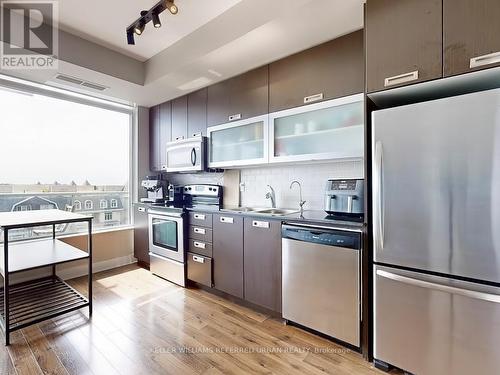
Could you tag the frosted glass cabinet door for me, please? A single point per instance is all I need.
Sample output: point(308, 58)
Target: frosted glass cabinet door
point(239, 143)
point(332, 129)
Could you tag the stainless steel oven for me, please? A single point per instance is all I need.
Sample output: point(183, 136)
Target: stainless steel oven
point(166, 245)
point(186, 155)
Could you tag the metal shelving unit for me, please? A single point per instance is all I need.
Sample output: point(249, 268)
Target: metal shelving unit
point(33, 301)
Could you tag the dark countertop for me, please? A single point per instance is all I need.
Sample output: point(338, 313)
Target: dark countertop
point(310, 217)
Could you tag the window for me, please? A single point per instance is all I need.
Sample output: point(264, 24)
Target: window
point(78, 205)
point(108, 216)
point(46, 207)
point(55, 149)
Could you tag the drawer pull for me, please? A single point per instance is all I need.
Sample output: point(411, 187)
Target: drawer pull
point(199, 230)
point(199, 245)
point(260, 224)
point(402, 78)
point(199, 216)
point(313, 98)
point(198, 259)
point(179, 138)
point(491, 58)
point(227, 220)
point(199, 134)
point(235, 117)
point(141, 209)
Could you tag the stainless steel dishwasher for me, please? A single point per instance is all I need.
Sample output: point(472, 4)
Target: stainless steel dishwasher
point(321, 280)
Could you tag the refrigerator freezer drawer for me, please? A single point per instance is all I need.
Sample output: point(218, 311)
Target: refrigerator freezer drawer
point(433, 325)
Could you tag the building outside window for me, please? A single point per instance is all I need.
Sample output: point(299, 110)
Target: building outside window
point(64, 171)
point(78, 205)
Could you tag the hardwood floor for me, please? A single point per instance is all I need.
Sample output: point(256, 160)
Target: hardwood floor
point(145, 325)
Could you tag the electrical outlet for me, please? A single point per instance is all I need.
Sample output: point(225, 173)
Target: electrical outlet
point(242, 186)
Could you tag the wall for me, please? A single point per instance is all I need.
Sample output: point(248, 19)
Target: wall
point(313, 178)
point(109, 250)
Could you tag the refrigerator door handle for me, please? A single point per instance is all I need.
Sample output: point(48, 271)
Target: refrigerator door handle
point(379, 199)
point(443, 288)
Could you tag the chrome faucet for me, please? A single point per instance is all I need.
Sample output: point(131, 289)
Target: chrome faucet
point(272, 196)
point(301, 202)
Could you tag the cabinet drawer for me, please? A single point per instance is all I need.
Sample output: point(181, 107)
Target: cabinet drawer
point(200, 219)
point(200, 247)
point(200, 233)
point(199, 269)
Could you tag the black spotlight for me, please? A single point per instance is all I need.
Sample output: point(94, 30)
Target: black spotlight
point(139, 28)
point(130, 37)
point(156, 20)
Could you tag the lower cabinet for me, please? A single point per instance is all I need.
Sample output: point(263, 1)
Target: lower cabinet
point(199, 269)
point(262, 262)
point(228, 254)
point(141, 238)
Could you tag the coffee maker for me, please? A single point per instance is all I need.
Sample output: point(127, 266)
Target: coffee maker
point(156, 188)
point(345, 199)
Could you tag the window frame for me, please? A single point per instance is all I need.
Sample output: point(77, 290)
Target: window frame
point(131, 109)
point(88, 206)
point(103, 206)
point(78, 205)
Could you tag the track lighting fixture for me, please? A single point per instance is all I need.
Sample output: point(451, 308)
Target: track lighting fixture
point(156, 20)
point(150, 15)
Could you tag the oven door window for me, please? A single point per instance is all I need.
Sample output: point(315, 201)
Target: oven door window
point(165, 234)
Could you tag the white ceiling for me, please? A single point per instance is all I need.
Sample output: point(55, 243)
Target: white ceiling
point(208, 41)
point(107, 20)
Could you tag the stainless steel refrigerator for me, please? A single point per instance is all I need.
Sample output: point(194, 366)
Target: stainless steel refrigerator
point(436, 223)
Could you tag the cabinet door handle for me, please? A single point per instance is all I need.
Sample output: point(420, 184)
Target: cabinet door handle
point(198, 259)
point(199, 230)
point(313, 98)
point(402, 78)
point(199, 216)
point(235, 117)
point(260, 224)
point(491, 58)
point(141, 209)
point(199, 245)
point(227, 220)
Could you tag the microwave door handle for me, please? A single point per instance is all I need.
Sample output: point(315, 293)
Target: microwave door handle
point(193, 156)
point(378, 187)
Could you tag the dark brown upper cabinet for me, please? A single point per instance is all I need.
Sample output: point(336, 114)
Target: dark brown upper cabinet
point(228, 254)
point(262, 262)
point(330, 70)
point(239, 97)
point(154, 139)
point(197, 112)
point(165, 133)
point(403, 42)
point(180, 118)
point(471, 30)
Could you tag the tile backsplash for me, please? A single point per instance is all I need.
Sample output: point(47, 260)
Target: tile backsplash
point(312, 177)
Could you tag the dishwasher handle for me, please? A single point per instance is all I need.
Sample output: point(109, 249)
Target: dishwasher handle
point(321, 236)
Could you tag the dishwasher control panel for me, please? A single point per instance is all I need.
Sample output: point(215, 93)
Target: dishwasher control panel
point(323, 236)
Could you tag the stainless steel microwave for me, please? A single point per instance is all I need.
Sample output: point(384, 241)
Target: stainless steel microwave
point(186, 155)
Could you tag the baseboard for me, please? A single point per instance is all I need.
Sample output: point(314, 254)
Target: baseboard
point(82, 270)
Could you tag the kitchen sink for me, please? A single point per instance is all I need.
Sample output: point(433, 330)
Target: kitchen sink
point(263, 211)
point(243, 209)
point(277, 211)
